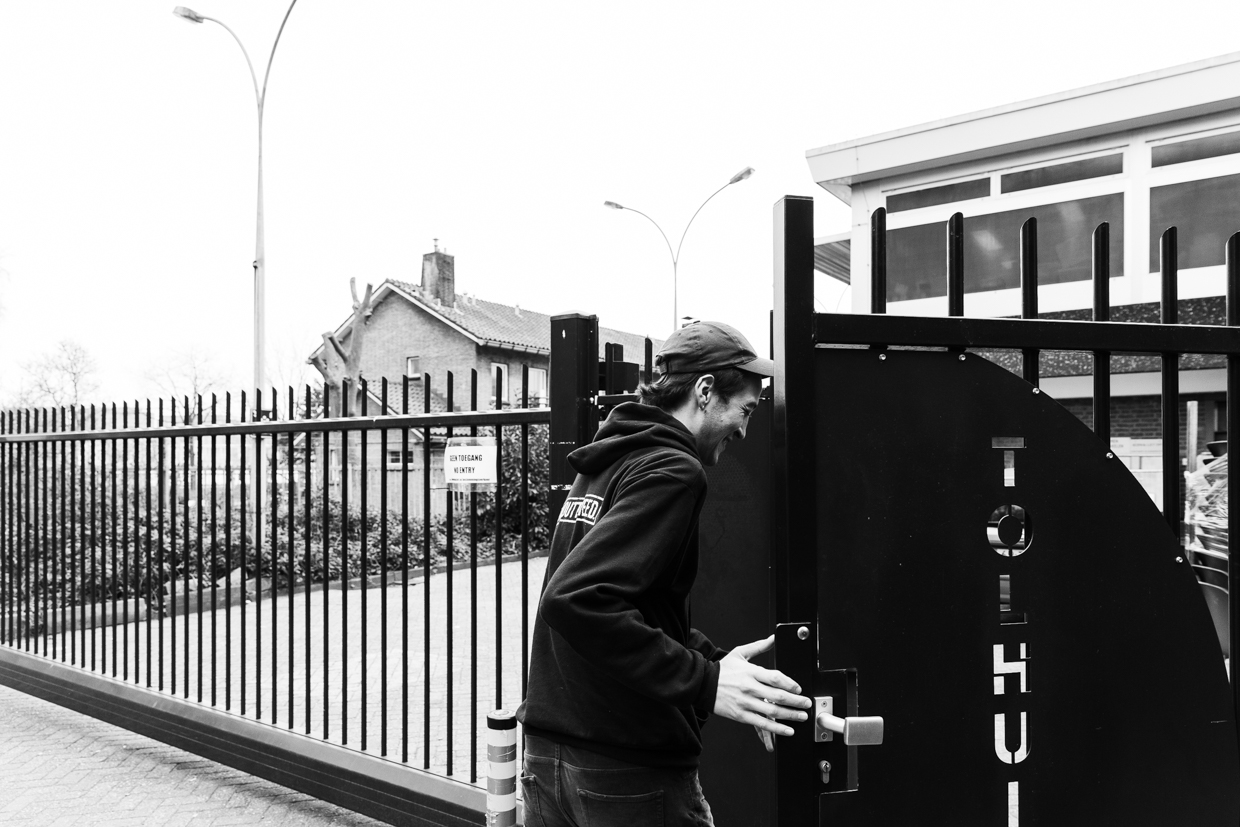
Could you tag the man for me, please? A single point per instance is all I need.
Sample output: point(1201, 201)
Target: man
point(619, 683)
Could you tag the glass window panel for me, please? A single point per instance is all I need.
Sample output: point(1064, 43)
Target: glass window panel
point(1065, 243)
point(538, 388)
point(917, 262)
point(1195, 150)
point(917, 256)
point(1062, 173)
point(963, 191)
point(1205, 213)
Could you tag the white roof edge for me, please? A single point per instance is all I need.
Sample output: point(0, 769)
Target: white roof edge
point(832, 237)
point(1080, 92)
point(850, 165)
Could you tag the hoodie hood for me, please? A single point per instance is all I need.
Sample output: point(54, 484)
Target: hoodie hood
point(629, 427)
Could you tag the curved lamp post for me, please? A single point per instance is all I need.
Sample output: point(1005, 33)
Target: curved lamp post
point(260, 264)
point(740, 176)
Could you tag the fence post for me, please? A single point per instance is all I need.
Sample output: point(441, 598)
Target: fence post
point(574, 395)
point(502, 772)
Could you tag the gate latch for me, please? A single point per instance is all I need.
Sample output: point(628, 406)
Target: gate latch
point(858, 731)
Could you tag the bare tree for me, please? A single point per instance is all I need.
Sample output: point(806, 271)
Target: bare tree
point(65, 376)
point(188, 373)
point(288, 367)
point(341, 364)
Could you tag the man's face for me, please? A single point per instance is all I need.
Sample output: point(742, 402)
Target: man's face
point(726, 420)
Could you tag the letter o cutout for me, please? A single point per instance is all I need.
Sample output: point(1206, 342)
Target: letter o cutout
point(1010, 530)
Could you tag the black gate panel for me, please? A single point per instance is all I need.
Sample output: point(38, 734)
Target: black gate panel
point(984, 565)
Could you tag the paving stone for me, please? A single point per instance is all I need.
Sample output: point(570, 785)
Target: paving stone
point(63, 769)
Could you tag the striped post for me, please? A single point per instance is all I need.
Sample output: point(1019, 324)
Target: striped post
point(502, 775)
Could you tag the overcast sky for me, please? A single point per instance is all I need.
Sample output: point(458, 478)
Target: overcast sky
point(128, 144)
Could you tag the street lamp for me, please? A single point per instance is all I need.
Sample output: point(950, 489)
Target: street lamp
point(260, 264)
point(738, 177)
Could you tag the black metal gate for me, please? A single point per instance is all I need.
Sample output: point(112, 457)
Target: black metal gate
point(956, 552)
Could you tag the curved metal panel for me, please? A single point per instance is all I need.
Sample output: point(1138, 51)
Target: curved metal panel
point(1091, 651)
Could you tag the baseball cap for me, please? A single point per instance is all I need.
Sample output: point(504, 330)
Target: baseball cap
point(701, 347)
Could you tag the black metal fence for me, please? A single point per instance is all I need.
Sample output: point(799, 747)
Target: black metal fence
point(1168, 344)
point(307, 570)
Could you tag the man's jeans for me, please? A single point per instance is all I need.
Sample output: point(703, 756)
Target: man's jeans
point(570, 787)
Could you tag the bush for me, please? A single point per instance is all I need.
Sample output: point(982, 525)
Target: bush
point(95, 529)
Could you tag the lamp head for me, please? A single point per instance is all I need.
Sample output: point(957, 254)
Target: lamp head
point(187, 14)
point(742, 175)
point(613, 205)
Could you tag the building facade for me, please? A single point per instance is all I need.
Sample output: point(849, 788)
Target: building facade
point(1142, 154)
point(425, 331)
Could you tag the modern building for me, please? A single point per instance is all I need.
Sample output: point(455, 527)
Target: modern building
point(1143, 154)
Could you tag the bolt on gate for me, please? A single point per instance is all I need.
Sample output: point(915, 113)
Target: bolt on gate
point(957, 553)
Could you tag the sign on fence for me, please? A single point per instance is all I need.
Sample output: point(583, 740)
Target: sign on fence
point(471, 463)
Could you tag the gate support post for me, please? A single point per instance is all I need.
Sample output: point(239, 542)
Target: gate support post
point(793, 459)
point(1232, 257)
point(574, 396)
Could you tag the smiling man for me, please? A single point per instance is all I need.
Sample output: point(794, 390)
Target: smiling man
point(620, 684)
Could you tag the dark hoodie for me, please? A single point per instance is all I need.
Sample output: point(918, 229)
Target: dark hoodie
point(615, 667)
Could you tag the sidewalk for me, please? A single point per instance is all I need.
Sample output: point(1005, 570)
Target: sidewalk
point(61, 768)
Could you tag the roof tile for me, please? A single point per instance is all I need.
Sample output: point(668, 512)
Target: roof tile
point(518, 327)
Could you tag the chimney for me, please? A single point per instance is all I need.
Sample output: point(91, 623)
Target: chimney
point(439, 277)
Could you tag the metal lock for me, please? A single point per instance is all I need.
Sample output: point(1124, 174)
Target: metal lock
point(824, 767)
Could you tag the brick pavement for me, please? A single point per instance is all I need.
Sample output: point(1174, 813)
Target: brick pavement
point(61, 769)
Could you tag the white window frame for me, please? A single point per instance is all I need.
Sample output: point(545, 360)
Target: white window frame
point(392, 459)
point(542, 400)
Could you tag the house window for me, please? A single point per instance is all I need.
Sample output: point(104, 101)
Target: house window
point(506, 389)
point(1204, 213)
point(538, 388)
point(394, 459)
point(917, 256)
point(413, 367)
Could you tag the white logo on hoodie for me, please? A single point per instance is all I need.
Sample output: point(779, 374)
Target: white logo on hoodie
point(581, 509)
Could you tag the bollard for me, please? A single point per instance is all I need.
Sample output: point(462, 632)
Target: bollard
point(502, 775)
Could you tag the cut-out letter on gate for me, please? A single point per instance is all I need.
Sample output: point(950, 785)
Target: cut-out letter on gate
point(1006, 667)
point(1006, 755)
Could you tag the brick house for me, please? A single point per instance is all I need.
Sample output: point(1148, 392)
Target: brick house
point(429, 329)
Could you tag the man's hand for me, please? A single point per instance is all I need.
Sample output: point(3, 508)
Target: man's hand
point(761, 697)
